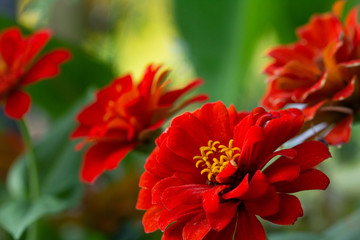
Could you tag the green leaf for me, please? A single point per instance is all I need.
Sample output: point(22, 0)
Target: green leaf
point(16, 179)
point(17, 214)
point(222, 37)
point(346, 229)
point(58, 165)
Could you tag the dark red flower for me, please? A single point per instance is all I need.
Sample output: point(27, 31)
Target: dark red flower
point(18, 67)
point(321, 71)
point(125, 115)
point(213, 172)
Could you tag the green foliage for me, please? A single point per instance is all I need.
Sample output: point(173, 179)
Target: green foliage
point(59, 165)
point(346, 229)
point(18, 214)
point(222, 36)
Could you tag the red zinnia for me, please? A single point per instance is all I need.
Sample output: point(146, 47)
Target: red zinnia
point(211, 174)
point(320, 71)
point(18, 67)
point(125, 115)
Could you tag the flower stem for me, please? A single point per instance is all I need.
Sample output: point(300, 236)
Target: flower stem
point(34, 189)
point(32, 168)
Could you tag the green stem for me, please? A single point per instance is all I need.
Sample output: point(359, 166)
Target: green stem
point(34, 189)
point(32, 168)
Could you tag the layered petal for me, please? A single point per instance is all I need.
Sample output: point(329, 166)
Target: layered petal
point(17, 104)
point(210, 188)
point(126, 115)
point(321, 72)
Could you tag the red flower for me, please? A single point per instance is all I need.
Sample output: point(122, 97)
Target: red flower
point(320, 71)
point(125, 115)
point(18, 67)
point(212, 173)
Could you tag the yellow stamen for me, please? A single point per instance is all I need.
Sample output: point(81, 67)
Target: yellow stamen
point(215, 157)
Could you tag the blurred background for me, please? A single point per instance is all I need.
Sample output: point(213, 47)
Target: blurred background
point(224, 42)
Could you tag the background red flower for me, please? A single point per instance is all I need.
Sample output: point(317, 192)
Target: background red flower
point(125, 115)
point(19, 67)
point(320, 71)
point(213, 172)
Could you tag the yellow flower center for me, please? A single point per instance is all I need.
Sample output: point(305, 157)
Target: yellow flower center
point(215, 157)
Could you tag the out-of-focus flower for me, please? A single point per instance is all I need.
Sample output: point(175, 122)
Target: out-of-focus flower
point(320, 71)
point(213, 171)
point(106, 207)
point(19, 68)
point(125, 115)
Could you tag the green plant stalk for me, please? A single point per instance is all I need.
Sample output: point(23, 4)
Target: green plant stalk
point(34, 189)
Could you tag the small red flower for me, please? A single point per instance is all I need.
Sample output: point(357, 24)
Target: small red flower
point(18, 67)
point(125, 115)
point(213, 171)
point(320, 71)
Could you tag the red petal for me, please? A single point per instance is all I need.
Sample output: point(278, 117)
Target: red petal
point(226, 234)
point(352, 16)
point(156, 167)
point(185, 194)
point(341, 132)
point(215, 116)
point(92, 115)
point(346, 91)
point(17, 104)
point(196, 228)
point(222, 217)
point(308, 180)
point(266, 205)
point(283, 172)
point(249, 155)
point(144, 199)
point(321, 30)
point(151, 217)
point(227, 172)
point(240, 190)
point(283, 54)
point(170, 97)
point(257, 187)
point(248, 227)
point(46, 67)
point(287, 153)
point(148, 79)
point(174, 231)
point(211, 198)
point(35, 43)
point(192, 125)
point(112, 92)
point(148, 180)
point(290, 210)
point(80, 131)
point(289, 124)
point(185, 211)
point(241, 129)
point(235, 116)
point(10, 44)
point(94, 161)
point(177, 163)
point(163, 184)
point(310, 154)
point(116, 157)
point(183, 144)
point(310, 111)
